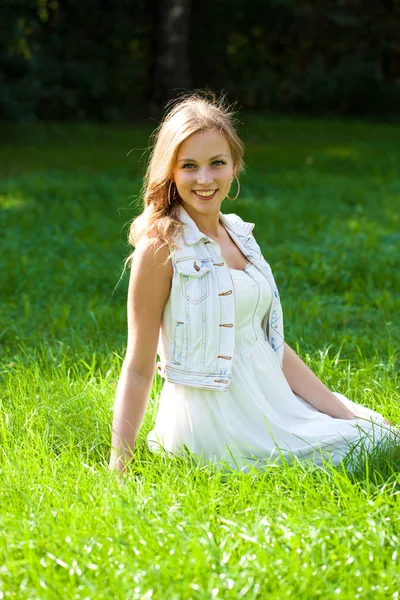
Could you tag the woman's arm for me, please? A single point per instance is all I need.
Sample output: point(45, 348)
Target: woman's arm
point(307, 385)
point(149, 288)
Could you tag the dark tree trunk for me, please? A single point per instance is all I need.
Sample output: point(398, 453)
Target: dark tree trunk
point(171, 63)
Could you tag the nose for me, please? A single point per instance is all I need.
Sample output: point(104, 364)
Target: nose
point(204, 176)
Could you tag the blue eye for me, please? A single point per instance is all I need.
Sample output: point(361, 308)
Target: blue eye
point(222, 162)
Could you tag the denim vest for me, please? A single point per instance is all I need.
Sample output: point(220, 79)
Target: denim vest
point(197, 334)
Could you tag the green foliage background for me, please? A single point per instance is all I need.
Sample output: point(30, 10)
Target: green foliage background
point(63, 60)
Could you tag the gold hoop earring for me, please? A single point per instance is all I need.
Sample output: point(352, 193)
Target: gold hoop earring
point(238, 191)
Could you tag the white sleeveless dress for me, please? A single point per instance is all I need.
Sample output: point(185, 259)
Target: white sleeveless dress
point(258, 420)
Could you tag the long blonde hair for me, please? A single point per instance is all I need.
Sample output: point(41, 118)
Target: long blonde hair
point(189, 114)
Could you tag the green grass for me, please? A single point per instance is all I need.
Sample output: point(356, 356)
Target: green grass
point(325, 197)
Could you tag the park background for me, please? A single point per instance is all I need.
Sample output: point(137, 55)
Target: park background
point(82, 86)
point(116, 61)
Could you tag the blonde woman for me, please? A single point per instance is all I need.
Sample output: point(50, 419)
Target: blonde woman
point(203, 297)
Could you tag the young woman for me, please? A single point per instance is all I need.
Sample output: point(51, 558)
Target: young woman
point(203, 297)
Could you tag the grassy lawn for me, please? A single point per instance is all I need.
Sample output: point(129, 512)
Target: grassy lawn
point(325, 197)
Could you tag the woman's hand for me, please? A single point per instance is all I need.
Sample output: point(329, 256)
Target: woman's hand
point(385, 421)
point(119, 473)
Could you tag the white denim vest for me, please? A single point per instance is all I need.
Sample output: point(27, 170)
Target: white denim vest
point(197, 335)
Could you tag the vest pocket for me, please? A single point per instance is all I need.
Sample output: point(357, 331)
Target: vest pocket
point(194, 280)
point(178, 343)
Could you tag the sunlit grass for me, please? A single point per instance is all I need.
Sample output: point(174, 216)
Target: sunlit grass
point(325, 197)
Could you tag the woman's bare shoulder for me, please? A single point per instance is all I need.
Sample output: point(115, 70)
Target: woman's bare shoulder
point(152, 262)
point(154, 252)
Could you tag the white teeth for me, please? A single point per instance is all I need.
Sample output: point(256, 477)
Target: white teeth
point(205, 194)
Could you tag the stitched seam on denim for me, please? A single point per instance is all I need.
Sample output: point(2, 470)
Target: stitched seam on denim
point(203, 334)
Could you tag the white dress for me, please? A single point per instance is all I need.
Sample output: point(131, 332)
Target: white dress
point(258, 420)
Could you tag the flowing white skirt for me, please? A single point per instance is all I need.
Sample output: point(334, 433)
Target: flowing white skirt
point(258, 420)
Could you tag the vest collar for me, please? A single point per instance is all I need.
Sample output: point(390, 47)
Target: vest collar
point(192, 233)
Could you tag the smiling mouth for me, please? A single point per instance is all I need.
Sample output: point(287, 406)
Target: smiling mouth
point(205, 193)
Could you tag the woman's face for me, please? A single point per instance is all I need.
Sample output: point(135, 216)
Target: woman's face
point(203, 171)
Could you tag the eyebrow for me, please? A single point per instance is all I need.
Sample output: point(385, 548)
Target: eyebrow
point(193, 160)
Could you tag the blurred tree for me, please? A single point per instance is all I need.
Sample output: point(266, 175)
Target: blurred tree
point(171, 73)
